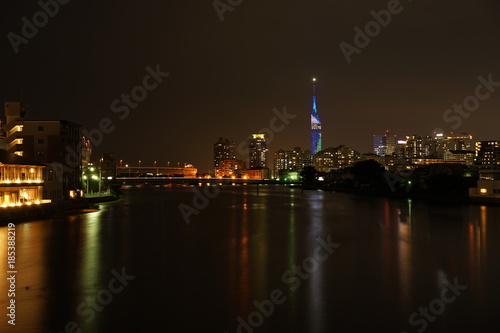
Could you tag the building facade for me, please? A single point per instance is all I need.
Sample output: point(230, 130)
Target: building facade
point(292, 160)
point(229, 168)
point(466, 157)
point(21, 180)
point(54, 143)
point(224, 149)
point(257, 151)
point(335, 158)
point(488, 154)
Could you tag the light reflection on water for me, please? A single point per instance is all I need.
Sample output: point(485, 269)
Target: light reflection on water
point(395, 256)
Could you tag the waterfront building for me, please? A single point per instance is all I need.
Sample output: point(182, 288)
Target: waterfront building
point(21, 180)
point(188, 171)
point(55, 143)
point(488, 186)
point(258, 173)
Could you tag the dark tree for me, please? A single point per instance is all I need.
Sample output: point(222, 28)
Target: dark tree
point(308, 174)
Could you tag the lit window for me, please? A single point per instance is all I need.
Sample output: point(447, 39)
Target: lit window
point(483, 191)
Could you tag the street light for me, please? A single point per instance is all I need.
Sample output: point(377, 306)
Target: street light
point(87, 178)
point(140, 163)
point(94, 177)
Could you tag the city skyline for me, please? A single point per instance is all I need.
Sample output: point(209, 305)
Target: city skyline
point(406, 78)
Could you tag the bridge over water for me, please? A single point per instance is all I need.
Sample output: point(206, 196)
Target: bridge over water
point(195, 181)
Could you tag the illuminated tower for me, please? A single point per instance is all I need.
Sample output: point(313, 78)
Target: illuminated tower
point(315, 125)
point(258, 151)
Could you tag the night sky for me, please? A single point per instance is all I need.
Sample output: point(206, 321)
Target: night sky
point(226, 77)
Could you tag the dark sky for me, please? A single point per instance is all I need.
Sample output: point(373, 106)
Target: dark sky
point(226, 77)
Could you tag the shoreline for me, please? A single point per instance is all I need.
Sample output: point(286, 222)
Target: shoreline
point(25, 213)
point(431, 198)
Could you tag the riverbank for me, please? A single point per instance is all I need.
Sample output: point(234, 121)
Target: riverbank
point(23, 213)
point(434, 198)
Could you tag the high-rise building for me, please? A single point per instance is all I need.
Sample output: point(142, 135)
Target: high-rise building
point(419, 146)
point(258, 151)
point(488, 154)
point(223, 150)
point(315, 125)
point(384, 145)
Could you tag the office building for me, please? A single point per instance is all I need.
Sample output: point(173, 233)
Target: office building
point(384, 145)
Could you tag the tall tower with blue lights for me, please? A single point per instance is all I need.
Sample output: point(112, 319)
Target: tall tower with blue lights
point(315, 125)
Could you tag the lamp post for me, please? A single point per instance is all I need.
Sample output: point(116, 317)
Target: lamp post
point(87, 178)
point(100, 174)
point(90, 176)
point(94, 177)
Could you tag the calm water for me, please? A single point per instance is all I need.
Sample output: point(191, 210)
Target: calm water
point(393, 258)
